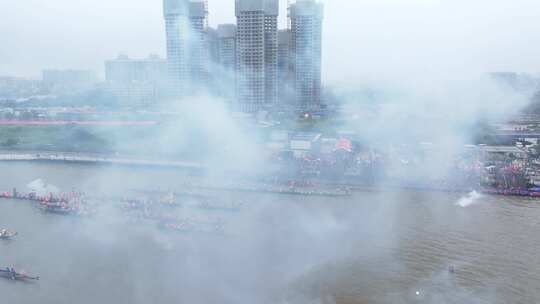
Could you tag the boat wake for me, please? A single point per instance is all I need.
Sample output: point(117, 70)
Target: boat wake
point(468, 200)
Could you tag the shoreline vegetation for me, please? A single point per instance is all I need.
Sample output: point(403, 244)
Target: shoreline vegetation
point(129, 139)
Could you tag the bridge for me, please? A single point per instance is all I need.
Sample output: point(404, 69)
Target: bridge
point(89, 158)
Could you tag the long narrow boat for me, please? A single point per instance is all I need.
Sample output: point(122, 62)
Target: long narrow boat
point(277, 189)
point(66, 208)
point(7, 235)
point(193, 226)
point(184, 193)
point(10, 273)
point(216, 206)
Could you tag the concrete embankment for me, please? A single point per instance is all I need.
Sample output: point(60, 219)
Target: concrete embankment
point(86, 158)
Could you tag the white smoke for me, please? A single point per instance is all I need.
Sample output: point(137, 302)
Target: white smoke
point(469, 200)
point(40, 187)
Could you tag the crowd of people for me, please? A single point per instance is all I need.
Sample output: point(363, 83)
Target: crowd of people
point(426, 166)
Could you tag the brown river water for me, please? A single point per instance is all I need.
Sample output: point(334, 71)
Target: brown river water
point(372, 247)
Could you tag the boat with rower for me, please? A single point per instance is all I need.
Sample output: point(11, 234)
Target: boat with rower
point(150, 202)
point(193, 226)
point(66, 208)
point(7, 235)
point(10, 273)
point(217, 206)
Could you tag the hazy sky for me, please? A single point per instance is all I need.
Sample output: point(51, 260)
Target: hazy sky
point(363, 39)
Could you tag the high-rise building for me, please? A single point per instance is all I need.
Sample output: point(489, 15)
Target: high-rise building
point(270, 51)
point(213, 46)
point(226, 60)
point(213, 60)
point(177, 24)
point(256, 51)
point(205, 3)
point(306, 18)
point(227, 46)
point(199, 46)
point(187, 45)
point(285, 80)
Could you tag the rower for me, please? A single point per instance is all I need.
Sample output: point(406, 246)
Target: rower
point(11, 272)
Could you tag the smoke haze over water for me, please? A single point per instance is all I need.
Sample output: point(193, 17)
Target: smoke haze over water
point(372, 248)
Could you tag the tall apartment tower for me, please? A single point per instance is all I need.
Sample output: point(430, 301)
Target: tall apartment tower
point(306, 18)
point(199, 46)
point(176, 13)
point(256, 64)
point(227, 60)
point(213, 48)
point(187, 51)
point(285, 80)
point(227, 46)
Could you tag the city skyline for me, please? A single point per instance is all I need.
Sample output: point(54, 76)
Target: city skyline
point(369, 40)
point(257, 70)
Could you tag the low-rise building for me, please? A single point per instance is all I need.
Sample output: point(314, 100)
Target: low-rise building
point(136, 82)
point(68, 81)
point(13, 88)
point(302, 144)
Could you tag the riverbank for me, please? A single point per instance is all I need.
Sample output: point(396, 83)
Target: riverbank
point(323, 188)
point(88, 158)
point(483, 190)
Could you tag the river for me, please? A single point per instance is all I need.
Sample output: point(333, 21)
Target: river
point(372, 247)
